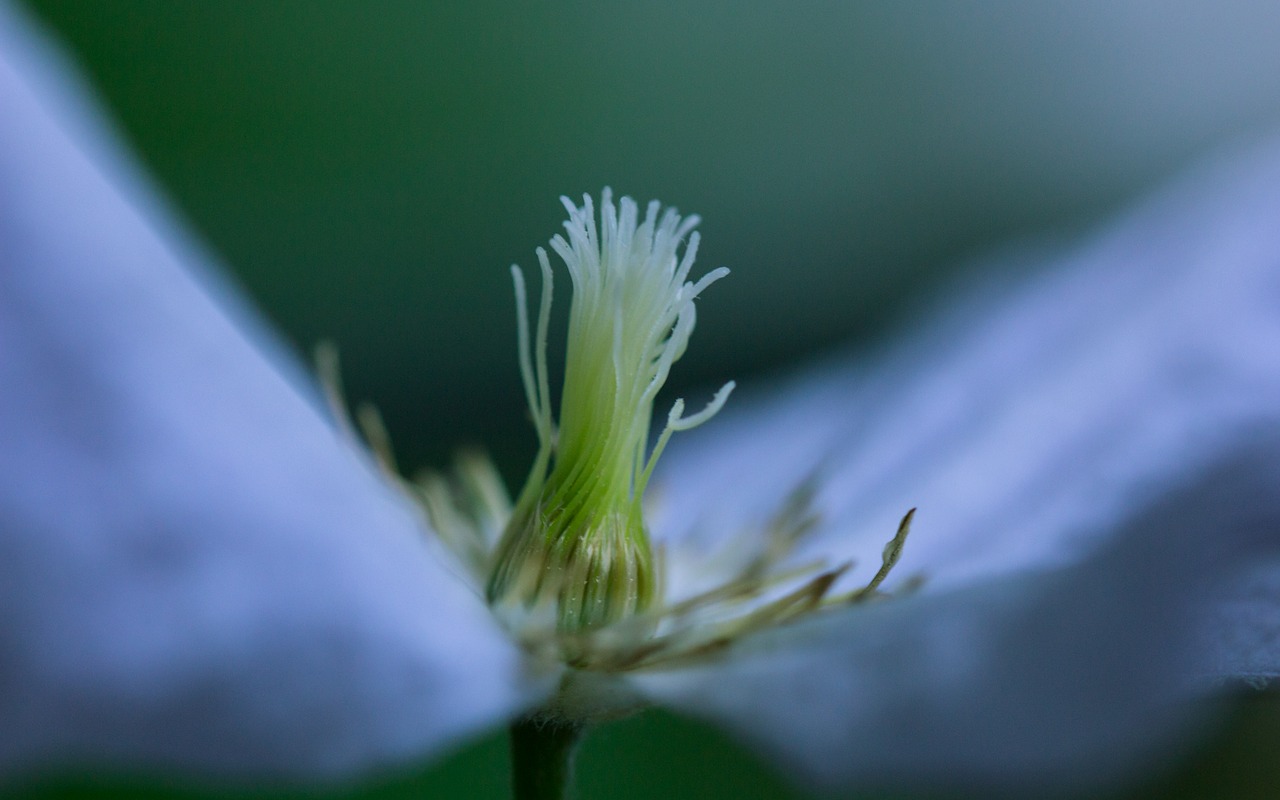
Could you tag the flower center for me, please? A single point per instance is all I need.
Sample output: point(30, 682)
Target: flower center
point(576, 543)
point(568, 567)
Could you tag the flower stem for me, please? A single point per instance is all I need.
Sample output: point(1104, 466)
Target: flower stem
point(542, 759)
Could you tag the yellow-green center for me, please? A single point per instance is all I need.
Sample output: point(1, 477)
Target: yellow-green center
point(576, 544)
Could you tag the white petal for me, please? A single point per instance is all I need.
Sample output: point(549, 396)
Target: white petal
point(1032, 418)
point(1060, 679)
point(1095, 452)
point(195, 571)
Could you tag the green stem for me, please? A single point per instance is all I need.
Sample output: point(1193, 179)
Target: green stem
point(542, 759)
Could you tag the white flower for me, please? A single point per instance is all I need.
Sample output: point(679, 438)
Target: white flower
point(198, 573)
point(569, 568)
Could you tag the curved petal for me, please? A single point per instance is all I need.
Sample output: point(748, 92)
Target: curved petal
point(1095, 453)
point(1030, 419)
point(196, 571)
point(1064, 678)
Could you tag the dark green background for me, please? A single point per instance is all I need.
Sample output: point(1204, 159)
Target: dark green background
point(368, 171)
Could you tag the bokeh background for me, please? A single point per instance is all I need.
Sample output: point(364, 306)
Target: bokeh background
point(367, 171)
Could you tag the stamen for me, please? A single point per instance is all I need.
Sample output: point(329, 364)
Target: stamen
point(892, 552)
point(329, 373)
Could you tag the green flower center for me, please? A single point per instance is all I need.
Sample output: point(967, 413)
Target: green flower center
point(576, 543)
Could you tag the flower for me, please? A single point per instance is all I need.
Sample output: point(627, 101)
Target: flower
point(569, 568)
point(198, 573)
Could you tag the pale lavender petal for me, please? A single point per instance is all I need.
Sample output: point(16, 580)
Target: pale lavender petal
point(1095, 452)
point(1029, 419)
point(196, 572)
point(1063, 679)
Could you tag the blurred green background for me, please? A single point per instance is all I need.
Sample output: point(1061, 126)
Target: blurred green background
point(368, 170)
